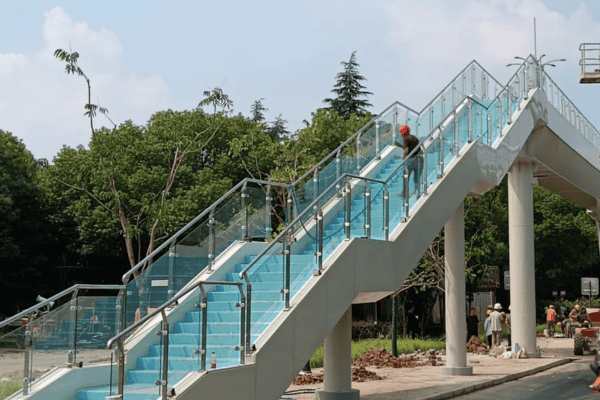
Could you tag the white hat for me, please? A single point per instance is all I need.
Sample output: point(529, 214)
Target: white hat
point(497, 306)
point(509, 308)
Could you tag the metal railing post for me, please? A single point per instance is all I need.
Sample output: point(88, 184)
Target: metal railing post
point(405, 191)
point(165, 361)
point(386, 216)
point(395, 125)
point(172, 261)
point(203, 307)
point(500, 116)
point(367, 210)
point(288, 211)
point(27, 379)
point(212, 245)
point(489, 124)
point(431, 119)
point(348, 223)
point(358, 154)
point(319, 252)
point(75, 333)
point(456, 135)
point(315, 180)
point(377, 156)
point(268, 199)
point(121, 382)
point(424, 172)
point(248, 313)
point(242, 306)
point(441, 156)
point(287, 260)
point(470, 107)
point(245, 214)
point(123, 305)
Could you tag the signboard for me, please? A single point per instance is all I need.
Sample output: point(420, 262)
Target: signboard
point(506, 280)
point(589, 286)
point(164, 282)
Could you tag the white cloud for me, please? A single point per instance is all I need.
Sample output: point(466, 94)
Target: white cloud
point(42, 105)
point(437, 38)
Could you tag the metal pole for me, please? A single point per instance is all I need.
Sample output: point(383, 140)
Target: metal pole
point(499, 115)
point(338, 173)
point(287, 257)
point(26, 366)
point(123, 305)
point(424, 172)
point(394, 327)
point(204, 308)
point(456, 135)
point(441, 156)
point(172, 261)
point(211, 240)
point(377, 155)
point(165, 367)
point(288, 211)
point(121, 349)
point(242, 306)
point(248, 313)
point(386, 218)
point(315, 184)
point(358, 154)
point(470, 107)
point(489, 134)
point(75, 333)
point(320, 240)
point(348, 208)
point(405, 192)
point(268, 199)
point(395, 126)
point(368, 209)
point(245, 213)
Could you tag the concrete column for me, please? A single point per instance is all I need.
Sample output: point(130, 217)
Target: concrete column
point(337, 371)
point(522, 263)
point(456, 314)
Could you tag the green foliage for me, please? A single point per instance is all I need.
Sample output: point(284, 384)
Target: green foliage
point(8, 388)
point(216, 98)
point(349, 91)
point(258, 111)
point(129, 169)
point(360, 347)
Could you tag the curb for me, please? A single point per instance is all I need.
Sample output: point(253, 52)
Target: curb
point(495, 382)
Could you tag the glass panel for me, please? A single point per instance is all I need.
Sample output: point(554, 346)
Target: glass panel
point(386, 126)
point(438, 111)
point(377, 211)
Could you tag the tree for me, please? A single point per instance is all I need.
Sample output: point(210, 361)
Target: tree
point(258, 111)
point(217, 98)
point(349, 91)
point(278, 129)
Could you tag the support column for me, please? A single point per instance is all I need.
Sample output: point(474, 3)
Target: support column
point(522, 263)
point(456, 314)
point(337, 370)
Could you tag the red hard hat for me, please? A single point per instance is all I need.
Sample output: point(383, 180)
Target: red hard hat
point(404, 130)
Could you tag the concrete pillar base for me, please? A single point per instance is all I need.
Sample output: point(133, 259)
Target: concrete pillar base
point(460, 371)
point(352, 394)
point(534, 355)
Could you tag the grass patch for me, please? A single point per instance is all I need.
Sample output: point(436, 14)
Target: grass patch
point(8, 388)
point(360, 347)
point(540, 329)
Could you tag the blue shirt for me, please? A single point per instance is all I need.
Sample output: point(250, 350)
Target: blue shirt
point(487, 326)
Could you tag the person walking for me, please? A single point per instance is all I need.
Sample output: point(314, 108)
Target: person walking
point(551, 320)
point(488, 330)
point(508, 327)
point(473, 324)
point(496, 324)
point(414, 163)
point(412, 323)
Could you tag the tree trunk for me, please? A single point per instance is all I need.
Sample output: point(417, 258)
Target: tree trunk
point(394, 326)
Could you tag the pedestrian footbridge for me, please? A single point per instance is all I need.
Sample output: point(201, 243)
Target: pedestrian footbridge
point(218, 294)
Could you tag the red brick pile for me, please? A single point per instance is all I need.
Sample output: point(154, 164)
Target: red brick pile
point(359, 374)
point(474, 345)
point(382, 358)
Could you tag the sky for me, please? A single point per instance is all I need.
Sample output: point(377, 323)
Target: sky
point(144, 57)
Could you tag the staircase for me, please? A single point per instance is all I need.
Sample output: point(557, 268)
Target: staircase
point(469, 142)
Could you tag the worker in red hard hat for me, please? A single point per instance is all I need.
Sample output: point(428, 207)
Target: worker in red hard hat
point(413, 160)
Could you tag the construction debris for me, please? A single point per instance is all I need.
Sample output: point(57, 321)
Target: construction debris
point(382, 358)
point(359, 374)
point(474, 345)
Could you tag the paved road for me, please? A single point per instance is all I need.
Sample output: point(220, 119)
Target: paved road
point(569, 381)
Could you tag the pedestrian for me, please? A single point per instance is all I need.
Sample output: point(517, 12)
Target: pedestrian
point(508, 327)
point(488, 330)
point(412, 323)
point(473, 324)
point(496, 324)
point(551, 320)
point(414, 163)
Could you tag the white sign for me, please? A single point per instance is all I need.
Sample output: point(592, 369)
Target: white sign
point(506, 280)
point(164, 282)
point(589, 286)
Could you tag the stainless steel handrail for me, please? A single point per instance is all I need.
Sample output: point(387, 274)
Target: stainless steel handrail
point(241, 184)
point(118, 339)
point(65, 292)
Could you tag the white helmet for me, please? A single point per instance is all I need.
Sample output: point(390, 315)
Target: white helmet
point(497, 306)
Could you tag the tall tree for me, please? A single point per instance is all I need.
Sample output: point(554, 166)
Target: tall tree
point(258, 111)
point(277, 128)
point(351, 96)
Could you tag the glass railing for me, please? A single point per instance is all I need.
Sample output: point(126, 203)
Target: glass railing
point(71, 334)
point(244, 214)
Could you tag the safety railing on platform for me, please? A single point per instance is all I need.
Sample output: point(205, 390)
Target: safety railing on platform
point(79, 328)
point(155, 379)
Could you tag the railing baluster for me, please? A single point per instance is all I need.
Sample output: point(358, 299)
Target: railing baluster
point(441, 156)
point(367, 210)
point(348, 223)
point(377, 155)
point(287, 259)
point(386, 216)
point(470, 107)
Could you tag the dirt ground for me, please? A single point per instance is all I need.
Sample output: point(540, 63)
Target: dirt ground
point(12, 361)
